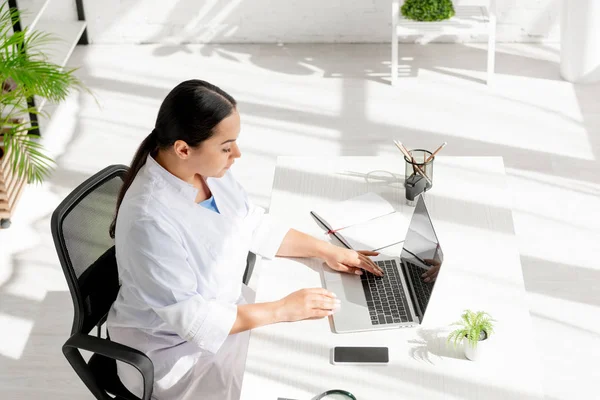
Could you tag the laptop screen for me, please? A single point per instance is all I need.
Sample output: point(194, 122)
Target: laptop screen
point(421, 243)
point(422, 250)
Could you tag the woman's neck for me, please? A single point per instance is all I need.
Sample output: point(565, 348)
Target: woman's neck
point(174, 167)
point(170, 164)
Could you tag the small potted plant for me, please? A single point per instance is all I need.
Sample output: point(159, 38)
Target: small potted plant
point(427, 10)
point(475, 327)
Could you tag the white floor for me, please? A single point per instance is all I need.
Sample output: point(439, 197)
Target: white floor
point(333, 100)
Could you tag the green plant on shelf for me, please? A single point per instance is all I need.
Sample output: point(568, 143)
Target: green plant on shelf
point(428, 10)
point(26, 73)
point(474, 326)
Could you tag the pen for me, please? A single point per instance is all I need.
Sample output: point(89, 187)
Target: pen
point(435, 152)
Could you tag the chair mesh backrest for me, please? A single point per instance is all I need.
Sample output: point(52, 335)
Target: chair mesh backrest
point(85, 227)
point(90, 249)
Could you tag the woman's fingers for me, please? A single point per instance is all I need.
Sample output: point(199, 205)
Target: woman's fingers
point(325, 303)
point(318, 314)
point(432, 262)
point(369, 265)
point(304, 303)
point(347, 269)
point(322, 306)
point(431, 274)
point(368, 252)
point(321, 292)
point(365, 254)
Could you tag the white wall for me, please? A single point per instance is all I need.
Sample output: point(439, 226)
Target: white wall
point(288, 21)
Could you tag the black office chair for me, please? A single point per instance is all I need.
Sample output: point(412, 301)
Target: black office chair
point(80, 226)
point(86, 252)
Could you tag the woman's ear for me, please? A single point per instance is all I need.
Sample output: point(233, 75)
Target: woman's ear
point(181, 149)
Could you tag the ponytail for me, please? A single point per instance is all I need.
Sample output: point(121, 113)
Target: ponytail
point(147, 147)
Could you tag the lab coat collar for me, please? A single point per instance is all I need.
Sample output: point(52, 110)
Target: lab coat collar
point(157, 171)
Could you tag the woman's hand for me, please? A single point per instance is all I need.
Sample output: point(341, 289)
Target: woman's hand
point(350, 261)
point(431, 274)
point(307, 304)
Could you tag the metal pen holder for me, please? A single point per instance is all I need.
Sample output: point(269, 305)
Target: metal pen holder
point(418, 173)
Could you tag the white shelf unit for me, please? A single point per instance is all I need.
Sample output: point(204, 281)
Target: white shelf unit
point(32, 11)
point(66, 33)
point(468, 20)
point(60, 51)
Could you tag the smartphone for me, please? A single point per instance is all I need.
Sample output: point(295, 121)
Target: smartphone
point(360, 355)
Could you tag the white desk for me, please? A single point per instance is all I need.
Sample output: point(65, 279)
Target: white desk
point(471, 212)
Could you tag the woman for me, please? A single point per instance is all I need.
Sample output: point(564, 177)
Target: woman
point(182, 233)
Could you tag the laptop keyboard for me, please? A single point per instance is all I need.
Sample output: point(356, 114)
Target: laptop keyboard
point(385, 296)
point(422, 289)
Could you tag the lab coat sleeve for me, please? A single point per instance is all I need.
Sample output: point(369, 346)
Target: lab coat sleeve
point(166, 282)
point(268, 233)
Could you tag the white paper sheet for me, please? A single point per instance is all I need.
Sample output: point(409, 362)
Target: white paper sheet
point(365, 222)
point(377, 233)
point(354, 211)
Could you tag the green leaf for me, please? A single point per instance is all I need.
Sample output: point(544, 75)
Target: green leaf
point(24, 64)
point(427, 10)
point(472, 324)
point(26, 154)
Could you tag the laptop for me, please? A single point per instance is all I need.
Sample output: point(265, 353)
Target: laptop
point(399, 298)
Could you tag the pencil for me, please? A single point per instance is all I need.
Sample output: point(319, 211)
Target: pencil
point(414, 162)
point(435, 152)
point(407, 155)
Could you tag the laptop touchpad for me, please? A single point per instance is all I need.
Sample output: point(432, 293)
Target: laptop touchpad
point(331, 275)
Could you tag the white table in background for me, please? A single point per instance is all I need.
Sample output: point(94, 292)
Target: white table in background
point(471, 211)
point(470, 20)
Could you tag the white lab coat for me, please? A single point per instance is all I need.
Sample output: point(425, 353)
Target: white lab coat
point(181, 268)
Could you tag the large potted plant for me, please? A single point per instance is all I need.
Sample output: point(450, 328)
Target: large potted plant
point(25, 73)
point(475, 328)
point(427, 10)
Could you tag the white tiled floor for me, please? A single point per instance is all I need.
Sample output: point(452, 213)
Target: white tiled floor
point(333, 100)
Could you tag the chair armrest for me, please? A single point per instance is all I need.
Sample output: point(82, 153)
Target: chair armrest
point(250, 263)
point(113, 350)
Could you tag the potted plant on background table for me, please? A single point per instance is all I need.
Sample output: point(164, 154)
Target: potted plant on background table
point(25, 73)
point(427, 10)
point(475, 328)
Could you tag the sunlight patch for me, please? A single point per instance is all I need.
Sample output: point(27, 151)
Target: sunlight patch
point(14, 334)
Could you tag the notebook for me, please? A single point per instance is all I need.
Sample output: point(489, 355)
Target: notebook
point(365, 222)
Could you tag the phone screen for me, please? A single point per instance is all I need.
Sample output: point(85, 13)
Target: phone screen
point(360, 355)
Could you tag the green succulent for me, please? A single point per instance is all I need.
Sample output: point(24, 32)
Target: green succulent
point(472, 325)
point(427, 10)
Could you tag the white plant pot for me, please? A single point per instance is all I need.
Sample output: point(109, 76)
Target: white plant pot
point(474, 352)
point(580, 41)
